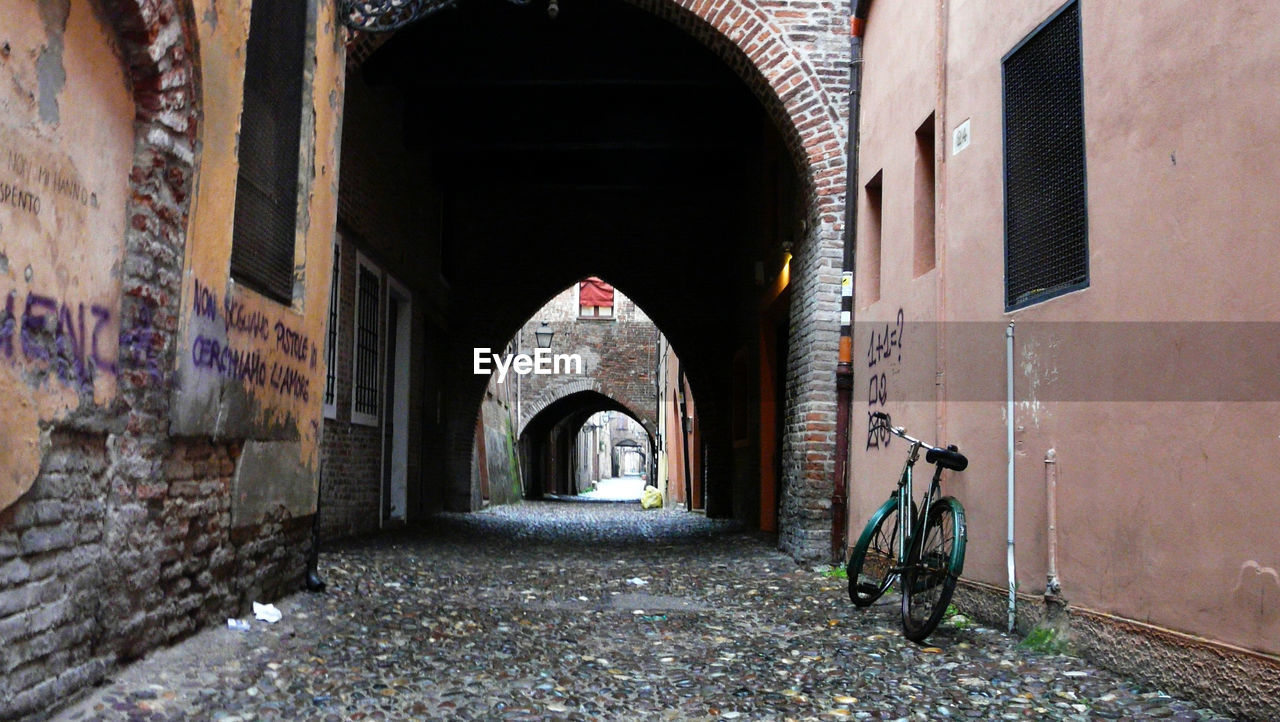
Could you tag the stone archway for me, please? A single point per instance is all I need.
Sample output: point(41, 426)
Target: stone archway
point(582, 385)
point(790, 66)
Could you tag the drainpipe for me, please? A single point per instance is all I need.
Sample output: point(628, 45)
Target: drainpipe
point(1008, 336)
point(313, 582)
point(1053, 587)
point(686, 427)
point(844, 368)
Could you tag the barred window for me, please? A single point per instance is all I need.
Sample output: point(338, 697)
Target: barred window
point(266, 205)
point(368, 340)
point(1046, 219)
point(331, 339)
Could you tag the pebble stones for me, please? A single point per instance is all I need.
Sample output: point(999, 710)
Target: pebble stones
point(560, 611)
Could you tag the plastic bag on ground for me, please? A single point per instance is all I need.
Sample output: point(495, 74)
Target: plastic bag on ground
point(650, 498)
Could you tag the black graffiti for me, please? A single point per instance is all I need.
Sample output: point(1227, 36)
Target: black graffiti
point(877, 395)
point(878, 435)
point(11, 195)
point(883, 347)
point(877, 390)
point(886, 345)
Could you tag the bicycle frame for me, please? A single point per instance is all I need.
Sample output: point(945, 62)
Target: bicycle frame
point(907, 522)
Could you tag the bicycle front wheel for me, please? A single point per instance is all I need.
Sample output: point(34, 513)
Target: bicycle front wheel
point(933, 566)
point(874, 556)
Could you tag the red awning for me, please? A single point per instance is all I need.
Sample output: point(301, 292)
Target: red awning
point(594, 292)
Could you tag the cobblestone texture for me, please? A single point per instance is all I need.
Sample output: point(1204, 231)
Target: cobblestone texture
point(600, 611)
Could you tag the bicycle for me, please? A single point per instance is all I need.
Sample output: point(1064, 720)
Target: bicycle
point(923, 549)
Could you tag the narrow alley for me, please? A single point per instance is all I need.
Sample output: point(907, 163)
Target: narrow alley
point(386, 288)
point(600, 611)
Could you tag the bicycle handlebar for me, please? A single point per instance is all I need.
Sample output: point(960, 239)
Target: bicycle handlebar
point(899, 431)
point(949, 458)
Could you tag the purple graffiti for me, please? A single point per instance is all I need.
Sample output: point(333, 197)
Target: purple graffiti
point(57, 335)
point(288, 380)
point(7, 327)
point(103, 317)
point(35, 324)
point(142, 343)
point(205, 304)
point(291, 342)
point(211, 354)
point(238, 319)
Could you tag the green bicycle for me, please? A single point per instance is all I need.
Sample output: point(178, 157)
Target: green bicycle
point(923, 548)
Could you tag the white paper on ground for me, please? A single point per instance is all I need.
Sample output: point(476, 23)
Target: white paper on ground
point(267, 613)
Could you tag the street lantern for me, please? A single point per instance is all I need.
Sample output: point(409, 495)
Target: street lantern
point(544, 335)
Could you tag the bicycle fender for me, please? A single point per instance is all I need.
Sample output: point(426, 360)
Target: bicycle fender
point(962, 532)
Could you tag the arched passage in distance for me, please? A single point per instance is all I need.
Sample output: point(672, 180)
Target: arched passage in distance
point(662, 148)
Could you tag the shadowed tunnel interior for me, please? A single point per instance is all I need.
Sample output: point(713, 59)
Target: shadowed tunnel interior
point(608, 142)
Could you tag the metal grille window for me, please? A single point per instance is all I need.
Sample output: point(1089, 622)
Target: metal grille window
point(331, 339)
point(1046, 220)
point(266, 209)
point(364, 408)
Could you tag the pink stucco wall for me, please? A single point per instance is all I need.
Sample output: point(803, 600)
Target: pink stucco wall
point(1167, 481)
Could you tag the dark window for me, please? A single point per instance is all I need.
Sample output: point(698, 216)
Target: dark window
point(267, 183)
point(368, 294)
point(871, 241)
point(925, 199)
point(1046, 221)
point(331, 338)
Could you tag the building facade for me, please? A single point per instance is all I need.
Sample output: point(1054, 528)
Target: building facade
point(1079, 175)
point(162, 342)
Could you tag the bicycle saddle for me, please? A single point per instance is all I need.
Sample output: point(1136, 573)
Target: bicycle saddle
point(948, 458)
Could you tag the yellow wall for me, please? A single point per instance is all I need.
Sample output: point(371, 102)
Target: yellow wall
point(66, 148)
point(274, 398)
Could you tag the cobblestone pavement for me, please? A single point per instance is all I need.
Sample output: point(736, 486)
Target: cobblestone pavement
point(599, 611)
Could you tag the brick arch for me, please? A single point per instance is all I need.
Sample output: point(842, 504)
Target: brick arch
point(753, 43)
point(583, 385)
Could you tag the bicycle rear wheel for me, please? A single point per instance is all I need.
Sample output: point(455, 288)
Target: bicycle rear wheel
point(874, 556)
point(933, 566)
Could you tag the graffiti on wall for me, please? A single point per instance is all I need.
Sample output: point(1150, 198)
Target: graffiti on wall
point(237, 354)
point(69, 339)
point(884, 349)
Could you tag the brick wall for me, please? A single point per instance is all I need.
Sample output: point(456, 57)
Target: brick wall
point(351, 484)
point(126, 539)
point(619, 357)
point(95, 570)
point(795, 57)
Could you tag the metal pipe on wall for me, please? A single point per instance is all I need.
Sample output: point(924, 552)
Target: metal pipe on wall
point(844, 368)
point(1013, 577)
point(1053, 587)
